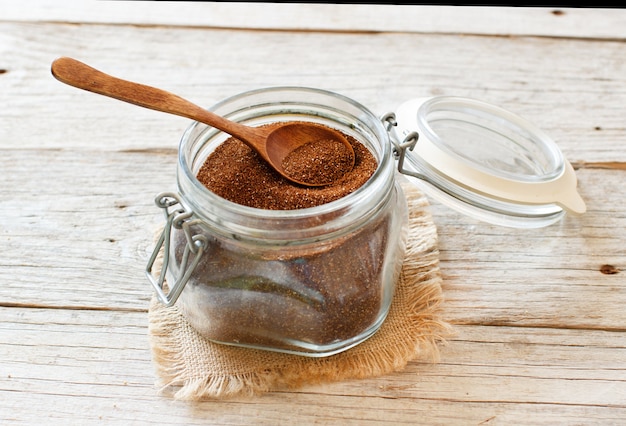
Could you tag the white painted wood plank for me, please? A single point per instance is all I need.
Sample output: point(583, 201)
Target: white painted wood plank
point(94, 366)
point(499, 20)
point(575, 90)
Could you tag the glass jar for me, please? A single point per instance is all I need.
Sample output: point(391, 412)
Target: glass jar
point(320, 280)
point(313, 281)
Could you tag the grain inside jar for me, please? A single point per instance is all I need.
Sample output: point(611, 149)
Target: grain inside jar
point(236, 173)
point(316, 293)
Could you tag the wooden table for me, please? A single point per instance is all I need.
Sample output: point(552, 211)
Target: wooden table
point(540, 315)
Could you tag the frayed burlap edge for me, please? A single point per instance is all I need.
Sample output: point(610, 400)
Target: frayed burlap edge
point(192, 368)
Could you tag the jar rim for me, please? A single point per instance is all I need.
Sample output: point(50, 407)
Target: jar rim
point(211, 203)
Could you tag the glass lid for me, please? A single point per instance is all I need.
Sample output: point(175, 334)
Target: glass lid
point(485, 161)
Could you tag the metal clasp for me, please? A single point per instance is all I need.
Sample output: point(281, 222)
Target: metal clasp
point(399, 148)
point(179, 218)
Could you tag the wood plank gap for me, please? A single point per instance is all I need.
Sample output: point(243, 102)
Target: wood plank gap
point(158, 151)
point(192, 27)
point(605, 165)
point(70, 307)
point(313, 30)
point(467, 401)
point(537, 325)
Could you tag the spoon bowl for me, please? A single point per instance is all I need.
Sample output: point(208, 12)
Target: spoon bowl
point(275, 144)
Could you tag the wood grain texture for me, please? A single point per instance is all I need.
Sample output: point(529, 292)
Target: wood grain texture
point(64, 365)
point(503, 20)
point(553, 83)
point(541, 328)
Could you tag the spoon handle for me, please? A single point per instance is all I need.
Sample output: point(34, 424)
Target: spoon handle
point(80, 75)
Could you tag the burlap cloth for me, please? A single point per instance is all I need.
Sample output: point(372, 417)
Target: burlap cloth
point(190, 367)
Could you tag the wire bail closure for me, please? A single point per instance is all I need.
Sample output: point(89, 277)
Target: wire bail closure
point(399, 148)
point(178, 218)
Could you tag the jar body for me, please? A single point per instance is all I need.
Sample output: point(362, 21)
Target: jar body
point(312, 281)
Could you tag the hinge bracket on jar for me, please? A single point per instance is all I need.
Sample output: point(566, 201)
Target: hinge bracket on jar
point(178, 218)
point(399, 148)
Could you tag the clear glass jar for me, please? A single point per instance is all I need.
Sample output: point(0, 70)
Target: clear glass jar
point(312, 281)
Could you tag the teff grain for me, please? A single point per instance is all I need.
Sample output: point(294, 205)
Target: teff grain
point(235, 172)
point(319, 162)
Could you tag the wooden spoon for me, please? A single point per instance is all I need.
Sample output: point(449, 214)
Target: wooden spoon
point(273, 144)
